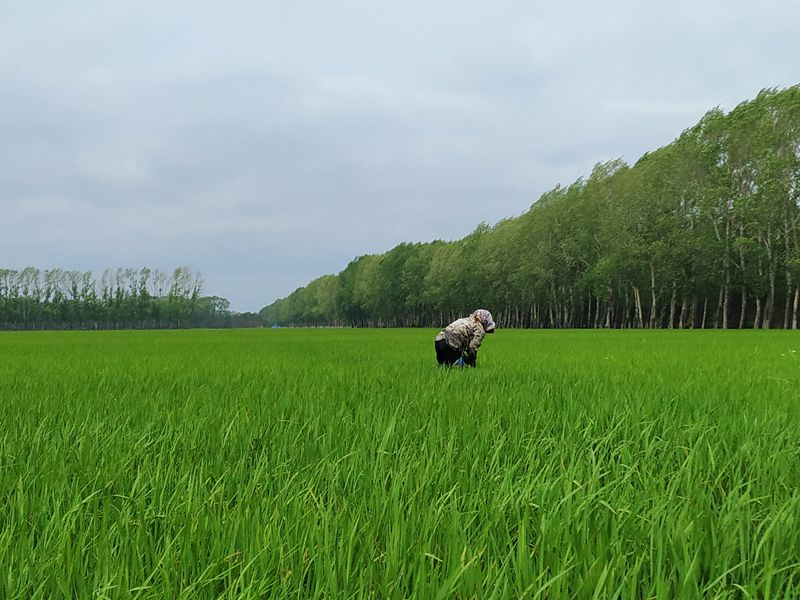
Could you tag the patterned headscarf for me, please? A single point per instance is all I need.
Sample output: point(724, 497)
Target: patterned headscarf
point(486, 318)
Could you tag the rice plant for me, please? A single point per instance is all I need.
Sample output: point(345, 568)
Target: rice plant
point(344, 464)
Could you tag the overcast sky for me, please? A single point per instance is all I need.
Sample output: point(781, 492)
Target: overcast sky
point(267, 143)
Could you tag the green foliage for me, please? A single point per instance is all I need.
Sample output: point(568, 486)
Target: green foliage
point(124, 299)
point(699, 233)
point(329, 464)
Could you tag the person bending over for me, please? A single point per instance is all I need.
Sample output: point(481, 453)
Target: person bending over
point(460, 340)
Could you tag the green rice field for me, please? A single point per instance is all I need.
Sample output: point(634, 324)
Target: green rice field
point(344, 464)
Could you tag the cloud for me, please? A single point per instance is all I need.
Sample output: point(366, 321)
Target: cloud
point(638, 106)
point(265, 144)
point(369, 94)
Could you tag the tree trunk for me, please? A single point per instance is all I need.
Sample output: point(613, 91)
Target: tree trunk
point(705, 310)
point(726, 300)
point(597, 307)
point(653, 301)
point(757, 320)
point(727, 278)
point(624, 323)
point(769, 306)
point(588, 322)
point(743, 314)
point(637, 297)
point(684, 305)
point(673, 305)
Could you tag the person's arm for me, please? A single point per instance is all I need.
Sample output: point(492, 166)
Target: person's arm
point(471, 354)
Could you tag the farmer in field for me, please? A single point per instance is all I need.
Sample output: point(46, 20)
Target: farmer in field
point(458, 343)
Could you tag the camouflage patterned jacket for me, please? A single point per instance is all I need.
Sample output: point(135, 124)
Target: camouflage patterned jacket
point(464, 335)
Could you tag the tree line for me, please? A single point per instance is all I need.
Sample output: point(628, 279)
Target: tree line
point(701, 233)
point(142, 298)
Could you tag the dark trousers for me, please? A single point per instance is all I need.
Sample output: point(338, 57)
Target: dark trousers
point(445, 355)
